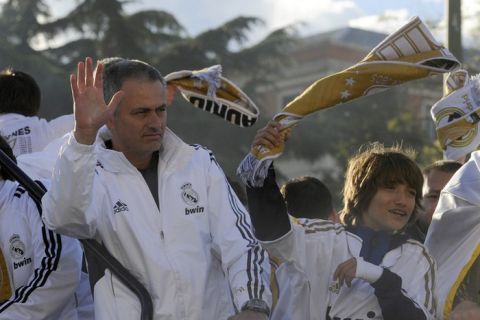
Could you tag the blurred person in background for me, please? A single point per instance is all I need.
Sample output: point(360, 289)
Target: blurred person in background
point(436, 176)
point(40, 271)
point(20, 126)
point(453, 236)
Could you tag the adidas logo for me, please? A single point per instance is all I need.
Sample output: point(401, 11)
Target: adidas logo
point(119, 207)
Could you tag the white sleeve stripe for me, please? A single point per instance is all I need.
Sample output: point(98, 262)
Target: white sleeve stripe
point(258, 286)
point(53, 248)
point(241, 215)
point(41, 274)
point(246, 232)
point(430, 302)
point(432, 282)
point(249, 274)
point(261, 288)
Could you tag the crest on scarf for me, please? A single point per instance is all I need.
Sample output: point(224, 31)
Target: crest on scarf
point(457, 115)
point(189, 196)
point(17, 247)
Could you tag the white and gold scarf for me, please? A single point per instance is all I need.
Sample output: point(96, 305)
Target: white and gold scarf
point(408, 54)
point(209, 91)
point(457, 115)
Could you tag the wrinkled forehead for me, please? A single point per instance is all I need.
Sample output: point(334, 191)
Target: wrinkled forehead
point(141, 94)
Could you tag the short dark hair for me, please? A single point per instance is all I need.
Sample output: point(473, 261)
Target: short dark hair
point(19, 93)
point(117, 70)
point(449, 166)
point(372, 169)
point(307, 197)
point(5, 147)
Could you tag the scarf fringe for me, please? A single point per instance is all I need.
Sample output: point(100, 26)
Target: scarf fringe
point(252, 171)
point(212, 76)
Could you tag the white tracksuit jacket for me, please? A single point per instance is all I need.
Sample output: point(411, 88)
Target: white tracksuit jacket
point(32, 134)
point(193, 254)
point(44, 268)
point(454, 235)
point(319, 246)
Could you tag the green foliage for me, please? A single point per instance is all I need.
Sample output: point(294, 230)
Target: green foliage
point(19, 25)
point(103, 29)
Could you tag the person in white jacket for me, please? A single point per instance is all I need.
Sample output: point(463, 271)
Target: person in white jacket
point(39, 269)
point(365, 268)
point(163, 208)
point(20, 99)
point(454, 240)
point(453, 237)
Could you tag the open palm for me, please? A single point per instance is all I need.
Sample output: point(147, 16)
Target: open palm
point(91, 111)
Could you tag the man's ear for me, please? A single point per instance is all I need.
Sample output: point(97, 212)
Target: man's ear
point(110, 120)
point(171, 91)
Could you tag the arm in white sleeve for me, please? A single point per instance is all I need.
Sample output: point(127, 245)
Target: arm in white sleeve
point(243, 259)
point(367, 271)
point(413, 298)
point(49, 292)
point(68, 205)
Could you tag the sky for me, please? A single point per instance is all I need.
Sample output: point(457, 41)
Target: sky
point(310, 16)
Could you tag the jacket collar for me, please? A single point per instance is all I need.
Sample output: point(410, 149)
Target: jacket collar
point(174, 153)
point(375, 247)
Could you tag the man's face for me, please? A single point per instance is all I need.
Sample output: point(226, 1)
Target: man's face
point(139, 124)
point(432, 186)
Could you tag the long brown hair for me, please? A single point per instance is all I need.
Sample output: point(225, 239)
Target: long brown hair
point(375, 167)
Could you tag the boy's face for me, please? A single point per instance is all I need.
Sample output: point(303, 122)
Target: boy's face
point(390, 208)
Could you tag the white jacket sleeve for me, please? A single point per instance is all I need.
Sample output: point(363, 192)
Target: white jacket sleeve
point(67, 204)
point(49, 292)
point(411, 296)
point(243, 259)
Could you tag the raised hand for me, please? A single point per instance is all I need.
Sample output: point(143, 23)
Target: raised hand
point(269, 136)
point(91, 111)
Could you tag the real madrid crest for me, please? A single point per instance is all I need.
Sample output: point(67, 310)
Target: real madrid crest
point(17, 247)
point(189, 196)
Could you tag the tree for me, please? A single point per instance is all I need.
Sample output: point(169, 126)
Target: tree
point(104, 29)
point(20, 22)
point(19, 27)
